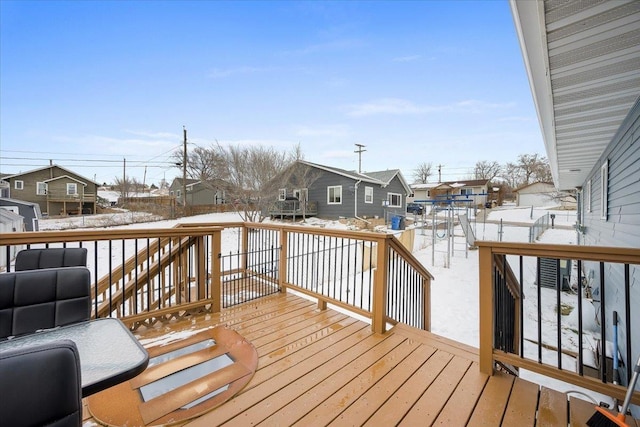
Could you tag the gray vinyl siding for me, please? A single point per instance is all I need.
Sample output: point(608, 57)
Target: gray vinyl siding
point(347, 209)
point(621, 228)
point(318, 193)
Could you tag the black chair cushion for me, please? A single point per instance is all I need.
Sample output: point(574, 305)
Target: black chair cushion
point(33, 259)
point(41, 385)
point(42, 299)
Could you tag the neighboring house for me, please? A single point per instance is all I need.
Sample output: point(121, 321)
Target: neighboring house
point(341, 193)
point(10, 222)
point(57, 190)
point(476, 190)
point(537, 194)
point(582, 60)
point(198, 194)
point(29, 211)
point(4, 187)
point(110, 196)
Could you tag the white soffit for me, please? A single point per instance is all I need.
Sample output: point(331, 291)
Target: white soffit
point(583, 62)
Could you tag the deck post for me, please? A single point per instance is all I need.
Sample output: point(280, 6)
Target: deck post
point(282, 261)
point(379, 320)
point(426, 303)
point(486, 309)
point(216, 282)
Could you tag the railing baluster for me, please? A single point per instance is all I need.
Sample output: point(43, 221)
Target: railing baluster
point(603, 332)
point(521, 302)
point(539, 296)
point(580, 330)
point(559, 314)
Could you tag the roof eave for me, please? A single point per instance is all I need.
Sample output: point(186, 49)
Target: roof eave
point(529, 20)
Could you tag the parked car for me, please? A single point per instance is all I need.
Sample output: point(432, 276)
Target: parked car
point(415, 208)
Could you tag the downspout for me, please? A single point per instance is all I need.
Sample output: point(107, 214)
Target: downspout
point(355, 199)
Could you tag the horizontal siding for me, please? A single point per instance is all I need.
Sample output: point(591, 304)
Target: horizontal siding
point(621, 228)
point(324, 179)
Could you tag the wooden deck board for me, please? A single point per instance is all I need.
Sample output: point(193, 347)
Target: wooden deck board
point(493, 401)
point(522, 405)
point(580, 411)
point(375, 397)
point(552, 408)
point(428, 407)
point(300, 397)
point(459, 408)
point(335, 387)
point(336, 403)
point(321, 367)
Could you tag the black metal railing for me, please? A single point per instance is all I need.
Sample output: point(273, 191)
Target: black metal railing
point(555, 314)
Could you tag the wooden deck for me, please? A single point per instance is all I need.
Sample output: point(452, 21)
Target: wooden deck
point(320, 368)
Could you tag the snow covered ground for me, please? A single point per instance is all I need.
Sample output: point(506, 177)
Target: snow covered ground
point(454, 292)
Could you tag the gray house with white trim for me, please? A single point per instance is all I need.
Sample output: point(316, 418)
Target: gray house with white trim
point(583, 63)
point(339, 193)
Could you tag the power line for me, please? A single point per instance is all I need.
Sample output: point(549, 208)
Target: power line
point(76, 160)
point(68, 165)
point(59, 153)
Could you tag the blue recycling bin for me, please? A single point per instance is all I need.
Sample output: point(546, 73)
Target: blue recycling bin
point(395, 222)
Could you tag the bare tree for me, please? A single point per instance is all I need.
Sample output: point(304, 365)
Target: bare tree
point(422, 173)
point(511, 174)
point(125, 186)
point(529, 168)
point(486, 169)
point(533, 168)
point(250, 172)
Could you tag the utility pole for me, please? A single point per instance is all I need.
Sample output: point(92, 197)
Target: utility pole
point(184, 169)
point(439, 173)
point(360, 150)
point(124, 189)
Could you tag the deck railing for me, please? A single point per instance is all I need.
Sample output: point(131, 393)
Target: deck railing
point(149, 275)
point(549, 309)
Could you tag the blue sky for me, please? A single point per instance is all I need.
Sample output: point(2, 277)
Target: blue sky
point(88, 83)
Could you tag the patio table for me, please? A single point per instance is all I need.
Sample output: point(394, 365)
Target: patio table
point(109, 353)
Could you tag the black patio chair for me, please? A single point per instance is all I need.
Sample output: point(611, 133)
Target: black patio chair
point(41, 385)
point(33, 259)
point(42, 299)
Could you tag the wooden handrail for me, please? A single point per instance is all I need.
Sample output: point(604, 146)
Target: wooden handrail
point(490, 253)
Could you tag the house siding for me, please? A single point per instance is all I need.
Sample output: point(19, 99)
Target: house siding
point(621, 227)
point(347, 209)
point(55, 188)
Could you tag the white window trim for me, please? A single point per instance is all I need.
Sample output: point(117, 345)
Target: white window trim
point(71, 185)
point(587, 198)
point(43, 185)
point(18, 185)
point(604, 189)
point(368, 195)
point(338, 187)
point(390, 196)
point(282, 194)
